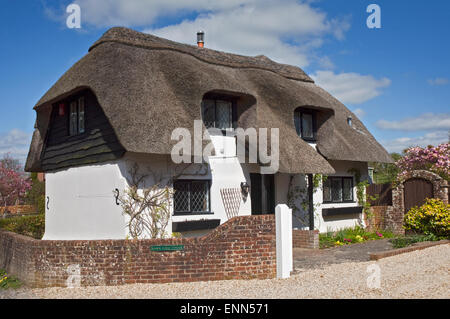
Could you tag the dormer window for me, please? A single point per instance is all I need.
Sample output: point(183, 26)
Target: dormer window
point(218, 112)
point(77, 117)
point(305, 124)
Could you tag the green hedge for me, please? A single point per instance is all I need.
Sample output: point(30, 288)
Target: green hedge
point(32, 226)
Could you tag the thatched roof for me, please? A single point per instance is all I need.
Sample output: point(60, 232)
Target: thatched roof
point(148, 86)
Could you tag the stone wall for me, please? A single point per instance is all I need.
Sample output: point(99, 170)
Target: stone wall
point(241, 248)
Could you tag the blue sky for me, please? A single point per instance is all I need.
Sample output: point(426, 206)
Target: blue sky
point(397, 78)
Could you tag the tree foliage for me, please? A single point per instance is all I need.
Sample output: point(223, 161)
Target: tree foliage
point(36, 194)
point(14, 184)
point(435, 159)
point(386, 172)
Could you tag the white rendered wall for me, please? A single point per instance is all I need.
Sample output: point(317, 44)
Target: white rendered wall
point(344, 221)
point(81, 203)
point(224, 171)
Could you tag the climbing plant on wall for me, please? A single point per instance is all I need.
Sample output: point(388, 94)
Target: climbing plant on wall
point(361, 191)
point(297, 198)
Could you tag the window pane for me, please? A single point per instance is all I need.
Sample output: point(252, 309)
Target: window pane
point(199, 197)
point(223, 115)
point(181, 197)
point(81, 115)
point(336, 189)
point(348, 191)
point(297, 118)
point(73, 118)
point(327, 191)
point(307, 125)
point(208, 113)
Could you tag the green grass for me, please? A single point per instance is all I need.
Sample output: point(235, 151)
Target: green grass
point(7, 282)
point(352, 235)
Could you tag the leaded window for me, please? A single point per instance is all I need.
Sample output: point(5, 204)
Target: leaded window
point(77, 122)
point(338, 190)
point(191, 196)
point(217, 113)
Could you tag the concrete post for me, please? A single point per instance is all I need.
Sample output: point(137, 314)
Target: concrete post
point(283, 221)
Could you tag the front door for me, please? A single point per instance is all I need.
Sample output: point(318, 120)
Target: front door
point(262, 194)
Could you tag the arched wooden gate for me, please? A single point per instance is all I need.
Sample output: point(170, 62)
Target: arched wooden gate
point(416, 191)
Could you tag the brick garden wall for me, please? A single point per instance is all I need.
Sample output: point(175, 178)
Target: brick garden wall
point(392, 217)
point(241, 248)
point(305, 239)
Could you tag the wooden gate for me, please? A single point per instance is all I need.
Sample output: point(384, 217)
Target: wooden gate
point(416, 190)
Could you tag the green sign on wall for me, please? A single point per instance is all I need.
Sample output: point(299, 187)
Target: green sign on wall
point(167, 248)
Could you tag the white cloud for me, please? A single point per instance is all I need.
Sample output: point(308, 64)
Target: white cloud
point(359, 113)
point(438, 81)
point(16, 143)
point(287, 31)
point(399, 144)
point(350, 88)
point(138, 13)
point(427, 121)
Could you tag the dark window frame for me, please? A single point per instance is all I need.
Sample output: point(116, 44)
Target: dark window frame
point(192, 213)
point(298, 123)
point(226, 98)
point(342, 178)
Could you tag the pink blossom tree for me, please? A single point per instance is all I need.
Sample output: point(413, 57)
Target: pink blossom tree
point(432, 158)
point(14, 184)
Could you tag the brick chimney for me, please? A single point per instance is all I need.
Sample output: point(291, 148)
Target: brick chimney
point(200, 39)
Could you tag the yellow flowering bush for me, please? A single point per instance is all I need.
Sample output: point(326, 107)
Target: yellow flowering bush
point(432, 218)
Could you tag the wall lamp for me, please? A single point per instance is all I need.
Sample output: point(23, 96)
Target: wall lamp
point(245, 188)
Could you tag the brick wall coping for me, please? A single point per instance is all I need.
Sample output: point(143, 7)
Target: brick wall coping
point(417, 246)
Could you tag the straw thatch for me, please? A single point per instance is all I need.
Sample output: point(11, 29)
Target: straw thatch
point(148, 86)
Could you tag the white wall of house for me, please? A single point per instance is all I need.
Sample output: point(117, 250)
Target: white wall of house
point(80, 203)
point(343, 221)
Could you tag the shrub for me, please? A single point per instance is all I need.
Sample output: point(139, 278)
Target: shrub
point(432, 218)
point(401, 242)
point(8, 281)
point(33, 226)
point(36, 195)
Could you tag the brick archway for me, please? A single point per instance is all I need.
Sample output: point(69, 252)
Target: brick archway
point(394, 220)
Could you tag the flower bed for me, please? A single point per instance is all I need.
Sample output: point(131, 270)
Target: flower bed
point(349, 236)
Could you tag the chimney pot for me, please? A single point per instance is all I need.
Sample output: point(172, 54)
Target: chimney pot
point(200, 39)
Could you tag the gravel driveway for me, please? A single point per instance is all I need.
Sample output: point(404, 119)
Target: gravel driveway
point(419, 274)
point(318, 258)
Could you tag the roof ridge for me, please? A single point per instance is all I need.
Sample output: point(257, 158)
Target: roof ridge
point(148, 41)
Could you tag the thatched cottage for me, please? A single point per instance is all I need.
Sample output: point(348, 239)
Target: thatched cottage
point(117, 108)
